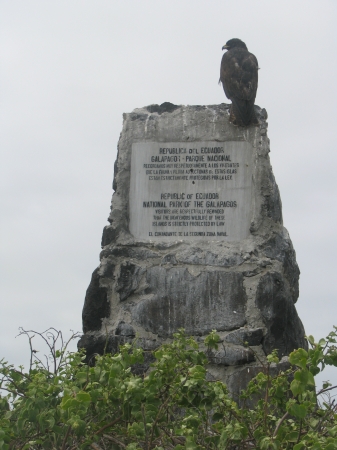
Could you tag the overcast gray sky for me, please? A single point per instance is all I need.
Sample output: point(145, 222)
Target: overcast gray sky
point(69, 69)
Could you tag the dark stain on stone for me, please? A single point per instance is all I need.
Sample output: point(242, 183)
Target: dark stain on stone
point(272, 204)
point(285, 330)
point(131, 252)
point(109, 235)
point(251, 273)
point(108, 271)
point(281, 249)
point(128, 280)
point(137, 116)
point(114, 183)
point(98, 345)
point(169, 259)
point(261, 113)
point(125, 329)
point(96, 305)
point(276, 247)
point(164, 107)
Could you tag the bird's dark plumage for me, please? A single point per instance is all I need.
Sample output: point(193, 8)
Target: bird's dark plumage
point(238, 75)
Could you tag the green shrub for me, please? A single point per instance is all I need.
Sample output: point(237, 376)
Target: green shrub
point(65, 404)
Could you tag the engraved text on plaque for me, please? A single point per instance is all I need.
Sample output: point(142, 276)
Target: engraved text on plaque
point(191, 191)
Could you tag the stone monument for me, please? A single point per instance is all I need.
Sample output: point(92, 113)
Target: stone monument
point(195, 241)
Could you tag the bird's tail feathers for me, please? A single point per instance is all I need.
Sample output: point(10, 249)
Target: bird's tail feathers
point(243, 113)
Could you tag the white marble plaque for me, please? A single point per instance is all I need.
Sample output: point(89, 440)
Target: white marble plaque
point(191, 191)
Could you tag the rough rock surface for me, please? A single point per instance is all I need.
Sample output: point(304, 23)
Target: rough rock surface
point(244, 289)
point(199, 304)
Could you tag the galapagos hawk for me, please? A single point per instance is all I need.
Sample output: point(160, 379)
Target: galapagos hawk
point(238, 75)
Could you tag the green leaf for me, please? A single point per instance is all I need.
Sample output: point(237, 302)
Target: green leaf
point(83, 397)
point(311, 380)
point(299, 358)
point(81, 377)
point(133, 446)
point(291, 437)
point(68, 402)
point(192, 421)
point(268, 443)
point(137, 429)
point(303, 379)
point(77, 424)
point(95, 394)
point(302, 376)
point(297, 387)
point(299, 446)
point(299, 411)
point(212, 340)
point(331, 446)
point(217, 416)
point(191, 444)
point(198, 372)
point(311, 339)
point(273, 358)
point(314, 370)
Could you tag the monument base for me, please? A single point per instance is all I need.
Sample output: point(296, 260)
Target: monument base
point(195, 241)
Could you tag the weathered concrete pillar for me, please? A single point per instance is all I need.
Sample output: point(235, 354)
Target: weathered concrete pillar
point(195, 241)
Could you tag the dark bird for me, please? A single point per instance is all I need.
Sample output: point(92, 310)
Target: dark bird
point(238, 75)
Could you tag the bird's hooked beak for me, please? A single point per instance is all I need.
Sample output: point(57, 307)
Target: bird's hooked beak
point(225, 47)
